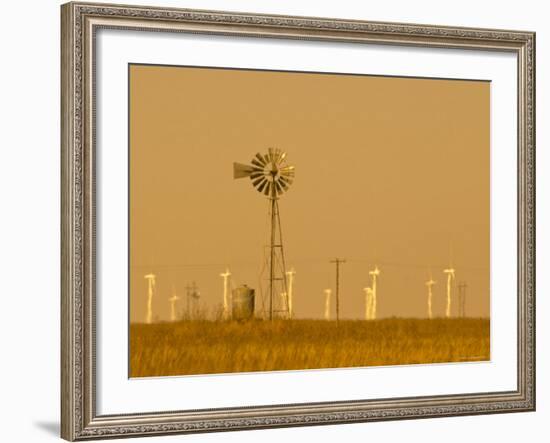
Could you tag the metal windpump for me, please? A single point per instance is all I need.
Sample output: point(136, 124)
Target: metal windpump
point(271, 175)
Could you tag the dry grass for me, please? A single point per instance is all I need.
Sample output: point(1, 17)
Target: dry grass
point(206, 347)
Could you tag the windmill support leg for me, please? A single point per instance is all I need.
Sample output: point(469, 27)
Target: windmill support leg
point(272, 256)
point(286, 287)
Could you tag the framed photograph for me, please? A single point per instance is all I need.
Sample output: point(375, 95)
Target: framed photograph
point(277, 221)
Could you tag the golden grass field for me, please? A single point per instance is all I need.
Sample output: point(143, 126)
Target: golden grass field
point(209, 347)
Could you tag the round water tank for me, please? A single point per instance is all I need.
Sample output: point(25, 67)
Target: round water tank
point(243, 303)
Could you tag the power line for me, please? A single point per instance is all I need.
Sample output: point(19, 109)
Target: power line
point(307, 259)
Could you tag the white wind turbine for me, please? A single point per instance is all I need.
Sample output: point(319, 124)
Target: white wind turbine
point(328, 292)
point(429, 284)
point(290, 280)
point(151, 288)
point(368, 303)
point(450, 277)
point(173, 300)
point(375, 273)
point(225, 275)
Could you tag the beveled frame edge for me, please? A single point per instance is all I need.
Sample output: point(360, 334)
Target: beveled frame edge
point(78, 23)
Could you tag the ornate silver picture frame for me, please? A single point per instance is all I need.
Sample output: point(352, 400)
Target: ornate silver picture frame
point(80, 419)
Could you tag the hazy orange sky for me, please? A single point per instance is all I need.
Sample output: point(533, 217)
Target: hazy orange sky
point(389, 171)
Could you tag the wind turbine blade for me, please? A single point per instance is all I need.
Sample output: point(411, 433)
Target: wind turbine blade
point(241, 171)
point(278, 188)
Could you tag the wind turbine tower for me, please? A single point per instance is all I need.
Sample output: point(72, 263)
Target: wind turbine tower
point(284, 303)
point(450, 277)
point(429, 284)
point(328, 292)
point(290, 282)
point(151, 289)
point(374, 274)
point(173, 300)
point(368, 303)
point(225, 275)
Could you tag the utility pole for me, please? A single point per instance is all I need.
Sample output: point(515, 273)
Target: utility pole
point(338, 261)
point(462, 299)
point(188, 301)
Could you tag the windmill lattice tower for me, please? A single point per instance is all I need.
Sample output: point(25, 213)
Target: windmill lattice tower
point(271, 176)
